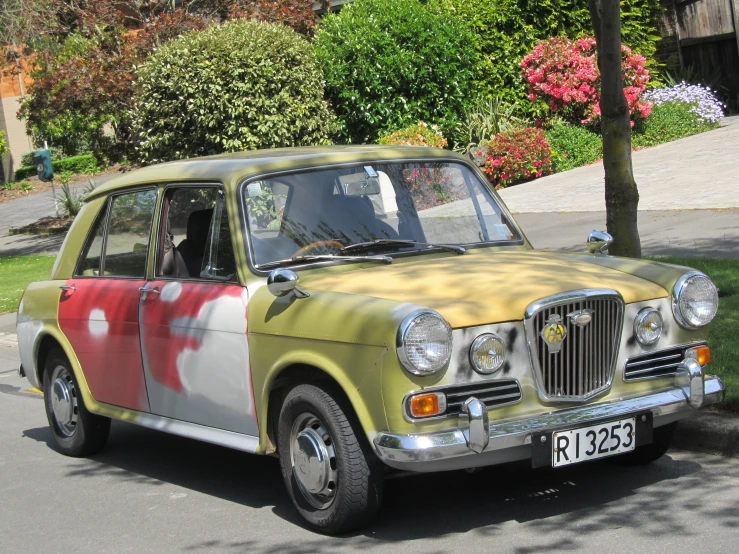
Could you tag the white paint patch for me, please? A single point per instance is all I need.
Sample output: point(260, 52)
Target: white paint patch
point(171, 291)
point(97, 323)
point(219, 369)
point(177, 495)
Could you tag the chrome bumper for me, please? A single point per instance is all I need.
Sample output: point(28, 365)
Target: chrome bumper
point(478, 443)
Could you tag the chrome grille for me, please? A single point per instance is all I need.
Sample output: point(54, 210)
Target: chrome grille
point(662, 363)
point(585, 364)
point(492, 393)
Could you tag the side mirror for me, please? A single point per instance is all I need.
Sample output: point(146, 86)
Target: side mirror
point(598, 242)
point(282, 282)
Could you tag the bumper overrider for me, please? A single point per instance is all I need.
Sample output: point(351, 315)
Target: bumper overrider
point(476, 442)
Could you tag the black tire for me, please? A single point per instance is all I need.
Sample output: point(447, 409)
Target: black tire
point(88, 433)
point(357, 491)
point(642, 455)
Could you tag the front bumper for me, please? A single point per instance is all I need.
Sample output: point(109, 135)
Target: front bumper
point(479, 443)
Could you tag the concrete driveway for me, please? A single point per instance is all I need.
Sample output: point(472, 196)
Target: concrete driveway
point(695, 173)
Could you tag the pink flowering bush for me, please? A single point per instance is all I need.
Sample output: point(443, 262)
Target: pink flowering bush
point(565, 74)
point(518, 155)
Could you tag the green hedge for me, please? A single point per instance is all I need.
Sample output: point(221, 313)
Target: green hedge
point(87, 163)
point(238, 86)
point(667, 122)
point(573, 146)
point(389, 64)
point(507, 30)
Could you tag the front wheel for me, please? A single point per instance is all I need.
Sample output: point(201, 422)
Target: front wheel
point(76, 431)
point(331, 473)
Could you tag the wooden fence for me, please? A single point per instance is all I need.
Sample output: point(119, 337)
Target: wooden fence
point(708, 40)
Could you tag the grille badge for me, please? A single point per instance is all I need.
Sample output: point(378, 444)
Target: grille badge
point(581, 317)
point(554, 333)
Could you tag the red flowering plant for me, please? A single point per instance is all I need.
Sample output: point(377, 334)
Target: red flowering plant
point(516, 156)
point(565, 74)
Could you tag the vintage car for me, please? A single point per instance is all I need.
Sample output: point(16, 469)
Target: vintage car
point(356, 311)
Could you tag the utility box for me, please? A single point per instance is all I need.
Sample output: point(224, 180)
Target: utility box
point(44, 169)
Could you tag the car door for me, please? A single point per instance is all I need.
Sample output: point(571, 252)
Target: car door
point(194, 317)
point(99, 307)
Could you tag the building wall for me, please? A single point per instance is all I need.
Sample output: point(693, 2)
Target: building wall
point(18, 141)
point(15, 130)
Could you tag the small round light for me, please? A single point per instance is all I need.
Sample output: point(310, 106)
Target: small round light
point(648, 326)
point(694, 300)
point(487, 354)
point(424, 343)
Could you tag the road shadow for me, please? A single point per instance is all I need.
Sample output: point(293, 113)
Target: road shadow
point(587, 498)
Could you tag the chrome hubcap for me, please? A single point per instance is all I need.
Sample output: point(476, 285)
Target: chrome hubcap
point(313, 460)
point(64, 401)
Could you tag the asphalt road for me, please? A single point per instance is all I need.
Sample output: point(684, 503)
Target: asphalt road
point(151, 492)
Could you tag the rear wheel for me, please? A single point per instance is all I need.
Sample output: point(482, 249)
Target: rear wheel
point(76, 431)
point(661, 440)
point(331, 473)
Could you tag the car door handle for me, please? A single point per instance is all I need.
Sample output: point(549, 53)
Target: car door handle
point(147, 290)
point(69, 288)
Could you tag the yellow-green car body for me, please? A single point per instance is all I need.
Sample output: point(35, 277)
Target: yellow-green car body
point(213, 352)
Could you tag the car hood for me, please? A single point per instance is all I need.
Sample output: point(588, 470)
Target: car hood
point(486, 285)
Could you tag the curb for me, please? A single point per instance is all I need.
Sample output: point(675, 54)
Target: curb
point(710, 432)
point(37, 231)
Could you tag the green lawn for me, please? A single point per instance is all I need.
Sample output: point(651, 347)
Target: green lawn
point(724, 339)
point(16, 273)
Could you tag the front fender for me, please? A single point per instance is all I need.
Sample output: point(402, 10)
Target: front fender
point(357, 369)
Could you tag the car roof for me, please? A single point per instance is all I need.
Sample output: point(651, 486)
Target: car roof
point(230, 169)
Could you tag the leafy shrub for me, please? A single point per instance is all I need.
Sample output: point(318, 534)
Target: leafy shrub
point(390, 63)
point(70, 202)
point(87, 163)
point(56, 154)
point(703, 102)
point(518, 155)
point(670, 121)
point(483, 120)
point(565, 75)
point(3, 143)
point(573, 146)
point(506, 30)
point(83, 86)
point(421, 134)
point(239, 86)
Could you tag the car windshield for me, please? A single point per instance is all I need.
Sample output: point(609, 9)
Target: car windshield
point(381, 208)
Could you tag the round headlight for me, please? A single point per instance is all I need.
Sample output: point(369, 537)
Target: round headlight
point(648, 326)
point(694, 300)
point(487, 353)
point(424, 343)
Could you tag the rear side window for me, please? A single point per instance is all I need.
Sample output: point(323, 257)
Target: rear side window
point(129, 231)
point(92, 256)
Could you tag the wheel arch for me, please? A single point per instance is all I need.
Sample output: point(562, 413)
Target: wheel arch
point(293, 373)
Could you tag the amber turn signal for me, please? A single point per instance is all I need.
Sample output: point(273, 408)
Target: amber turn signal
point(427, 405)
point(701, 354)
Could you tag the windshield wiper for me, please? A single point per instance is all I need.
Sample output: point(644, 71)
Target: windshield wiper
point(325, 257)
point(400, 243)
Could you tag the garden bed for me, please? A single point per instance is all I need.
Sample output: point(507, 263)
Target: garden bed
point(44, 226)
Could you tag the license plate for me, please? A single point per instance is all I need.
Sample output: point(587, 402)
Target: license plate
point(596, 441)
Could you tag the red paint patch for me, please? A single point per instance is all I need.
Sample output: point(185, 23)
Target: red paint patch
point(100, 320)
point(163, 339)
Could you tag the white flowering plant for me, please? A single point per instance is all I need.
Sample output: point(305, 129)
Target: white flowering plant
point(703, 101)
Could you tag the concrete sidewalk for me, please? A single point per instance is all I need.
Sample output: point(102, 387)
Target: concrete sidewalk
point(698, 172)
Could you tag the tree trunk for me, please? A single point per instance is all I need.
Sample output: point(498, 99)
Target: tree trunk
point(622, 196)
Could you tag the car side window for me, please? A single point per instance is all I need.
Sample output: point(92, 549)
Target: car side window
point(89, 265)
point(128, 234)
point(195, 239)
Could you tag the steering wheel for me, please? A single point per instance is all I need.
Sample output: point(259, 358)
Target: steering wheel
point(318, 244)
